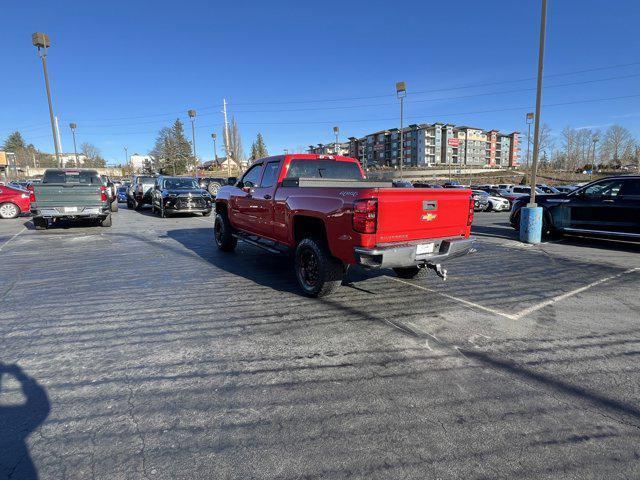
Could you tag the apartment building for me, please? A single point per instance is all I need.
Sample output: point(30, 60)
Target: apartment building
point(330, 149)
point(438, 144)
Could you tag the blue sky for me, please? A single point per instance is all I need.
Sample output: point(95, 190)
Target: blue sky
point(293, 69)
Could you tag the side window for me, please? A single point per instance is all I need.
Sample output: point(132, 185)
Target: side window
point(631, 189)
point(606, 188)
point(270, 175)
point(250, 179)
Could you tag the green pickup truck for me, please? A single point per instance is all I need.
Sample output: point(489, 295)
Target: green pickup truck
point(70, 194)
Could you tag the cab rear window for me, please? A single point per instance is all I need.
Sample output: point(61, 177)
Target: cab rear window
point(324, 169)
point(72, 176)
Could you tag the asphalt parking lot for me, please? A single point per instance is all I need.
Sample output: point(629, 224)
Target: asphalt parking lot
point(140, 351)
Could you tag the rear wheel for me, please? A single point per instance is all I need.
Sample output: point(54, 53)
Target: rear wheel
point(40, 223)
point(223, 233)
point(106, 221)
point(9, 210)
point(409, 272)
point(318, 272)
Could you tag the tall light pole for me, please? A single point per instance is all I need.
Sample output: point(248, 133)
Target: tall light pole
point(336, 132)
point(594, 139)
point(42, 43)
point(529, 120)
point(73, 127)
point(126, 157)
point(215, 149)
point(531, 215)
point(401, 92)
point(192, 116)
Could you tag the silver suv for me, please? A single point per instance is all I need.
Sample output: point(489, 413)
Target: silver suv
point(140, 190)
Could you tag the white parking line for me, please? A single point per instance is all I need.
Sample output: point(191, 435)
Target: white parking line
point(564, 296)
point(459, 300)
point(8, 241)
point(528, 310)
point(203, 220)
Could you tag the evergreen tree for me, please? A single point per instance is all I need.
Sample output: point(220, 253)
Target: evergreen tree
point(14, 143)
point(172, 152)
point(258, 148)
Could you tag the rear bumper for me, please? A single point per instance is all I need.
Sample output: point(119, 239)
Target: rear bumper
point(405, 255)
point(82, 212)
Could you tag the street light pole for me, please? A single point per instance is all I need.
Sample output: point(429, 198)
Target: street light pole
point(126, 156)
point(42, 43)
point(336, 132)
point(73, 127)
point(531, 216)
point(529, 120)
point(215, 149)
point(593, 163)
point(401, 92)
point(192, 116)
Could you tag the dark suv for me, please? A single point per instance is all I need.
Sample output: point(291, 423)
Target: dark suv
point(606, 207)
point(179, 195)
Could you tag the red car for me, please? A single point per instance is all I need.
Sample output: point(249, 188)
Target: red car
point(322, 209)
point(13, 202)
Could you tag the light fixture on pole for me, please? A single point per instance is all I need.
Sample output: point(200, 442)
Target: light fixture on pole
point(73, 127)
point(529, 119)
point(594, 139)
point(531, 214)
point(42, 43)
point(192, 116)
point(401, 92)
point(336, 132)
point(215, 150)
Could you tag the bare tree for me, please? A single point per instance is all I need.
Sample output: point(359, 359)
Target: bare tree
point(235, 144)
point(618, 145)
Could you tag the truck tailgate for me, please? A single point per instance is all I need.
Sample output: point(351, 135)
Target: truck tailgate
point(53, 195)
point(407, 214)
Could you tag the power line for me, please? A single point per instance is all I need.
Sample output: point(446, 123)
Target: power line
point(341, 99)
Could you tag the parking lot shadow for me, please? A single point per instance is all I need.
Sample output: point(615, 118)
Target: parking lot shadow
point(17, 422)
point(264, 268)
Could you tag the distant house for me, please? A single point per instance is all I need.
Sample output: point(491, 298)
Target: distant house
point(140, 162)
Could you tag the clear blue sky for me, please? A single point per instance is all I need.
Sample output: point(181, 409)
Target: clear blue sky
point(122, 70)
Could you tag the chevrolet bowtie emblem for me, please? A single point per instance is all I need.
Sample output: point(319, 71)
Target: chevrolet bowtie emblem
point(429, 216)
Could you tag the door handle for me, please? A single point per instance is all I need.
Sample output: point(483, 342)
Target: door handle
point(267, 197)
point(607, 200)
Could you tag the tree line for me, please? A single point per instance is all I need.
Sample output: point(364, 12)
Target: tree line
point(27, 155)
point(576, 149)
point(172, 152)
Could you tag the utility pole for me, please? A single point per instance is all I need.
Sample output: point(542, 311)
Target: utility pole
point(401, 92)
point(226, 136)
point(126, 156)
point(42, 43)
point(531, 215)
point(192, 116)
point(336, 132)
point(58, 135)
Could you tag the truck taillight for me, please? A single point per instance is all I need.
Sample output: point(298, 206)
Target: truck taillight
point(103, 193)
point(32, 193)
point(365, 215)
point(472, 204)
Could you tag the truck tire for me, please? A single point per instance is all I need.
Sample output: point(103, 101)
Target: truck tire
point(9, 210)
point(409, 272)
point(223, 233)
point(106, 221)
point(213, 188)
point(114, 206)
point(40, 223)
point(318, 272)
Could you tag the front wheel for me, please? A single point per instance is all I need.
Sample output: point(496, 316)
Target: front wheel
point(318, 272)
point(9, 210)
point(223, 233)
point(409, 272)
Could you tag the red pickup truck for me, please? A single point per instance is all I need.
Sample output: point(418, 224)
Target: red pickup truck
point(324, 210)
